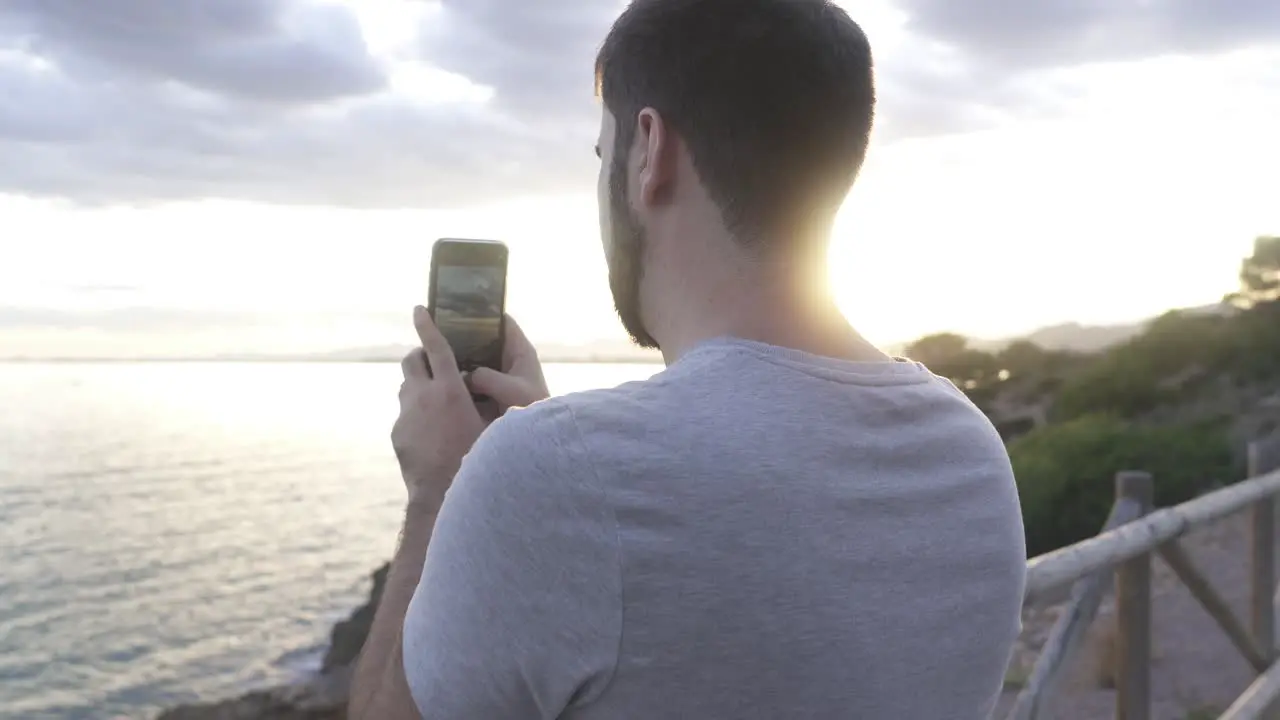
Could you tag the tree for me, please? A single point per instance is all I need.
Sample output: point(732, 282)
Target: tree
point(937, 349)
point(1260, 274)
point(1023, 357)
point(950, 356)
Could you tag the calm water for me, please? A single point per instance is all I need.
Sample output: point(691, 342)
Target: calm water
point(174, 532)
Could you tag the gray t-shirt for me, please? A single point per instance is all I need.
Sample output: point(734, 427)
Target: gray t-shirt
point(755, 532)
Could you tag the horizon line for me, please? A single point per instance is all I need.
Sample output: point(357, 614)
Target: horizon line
point(294, 359)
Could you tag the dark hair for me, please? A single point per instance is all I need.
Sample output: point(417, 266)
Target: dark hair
point(773, 98)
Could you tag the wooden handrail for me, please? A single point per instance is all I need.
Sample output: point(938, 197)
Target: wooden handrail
point(1254, 702)
point(1132, 534)
point(1060, 567)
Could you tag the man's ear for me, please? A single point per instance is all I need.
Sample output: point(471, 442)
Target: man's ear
point(656, 168)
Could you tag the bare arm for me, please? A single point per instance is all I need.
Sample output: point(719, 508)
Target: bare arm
point(438, 424)
point(379, 689)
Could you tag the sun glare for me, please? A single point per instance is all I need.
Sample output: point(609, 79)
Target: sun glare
point(390, 27)
point(393, 32)
point(425, 84)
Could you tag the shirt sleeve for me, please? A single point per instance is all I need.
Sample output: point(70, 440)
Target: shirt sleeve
point(518, 614)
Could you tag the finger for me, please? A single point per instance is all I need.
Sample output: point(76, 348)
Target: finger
point(489, 409)
point(414, 366)
point(439, 354)
point(507, 390)
point(515, 346)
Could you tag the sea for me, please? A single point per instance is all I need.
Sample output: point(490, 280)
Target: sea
point(187, 531)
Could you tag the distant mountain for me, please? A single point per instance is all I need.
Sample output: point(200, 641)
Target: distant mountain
point(1075, 337)
point(1067, 336)
point(600, 351)
point(1072, 337)
point(1084, 338)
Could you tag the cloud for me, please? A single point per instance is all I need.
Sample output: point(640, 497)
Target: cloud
point(154, 144)
point(983, 59)
point(160, 321)
point(286, 101)
point(277, 51)
point(1054, 33)
point(279, 101)
point(142, 331)
point(539, 57)
point(121, 320)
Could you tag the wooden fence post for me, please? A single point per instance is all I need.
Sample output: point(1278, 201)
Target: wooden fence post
point(1262, 459)
point(1133, 612)
point(1262, 557)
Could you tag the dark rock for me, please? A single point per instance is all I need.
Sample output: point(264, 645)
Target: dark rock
point(321, 698)
point(347, 637)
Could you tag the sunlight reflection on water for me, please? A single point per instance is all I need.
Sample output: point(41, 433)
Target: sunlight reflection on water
point(180, 531)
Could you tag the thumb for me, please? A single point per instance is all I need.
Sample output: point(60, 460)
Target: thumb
point(508, 390)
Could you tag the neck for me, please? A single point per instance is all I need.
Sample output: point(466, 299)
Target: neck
point(778, 305)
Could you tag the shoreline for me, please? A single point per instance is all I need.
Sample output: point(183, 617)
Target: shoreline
point(294, 361)
point(321, 696)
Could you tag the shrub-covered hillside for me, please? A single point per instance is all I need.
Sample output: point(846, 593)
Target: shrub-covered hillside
point(1180, 399)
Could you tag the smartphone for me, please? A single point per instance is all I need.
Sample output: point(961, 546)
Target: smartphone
point(467, 298)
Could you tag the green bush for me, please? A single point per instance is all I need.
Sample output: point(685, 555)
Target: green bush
point(1127, 380)
point(1251, 352)
point(1066, 472)
point(1134, 378)
point(1112, 387)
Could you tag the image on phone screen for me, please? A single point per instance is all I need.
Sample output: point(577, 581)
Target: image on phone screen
point(469, 306)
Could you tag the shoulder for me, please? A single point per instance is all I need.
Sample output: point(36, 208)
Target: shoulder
point(545, 431)
point(557, 431)
point(529, 492)
point(571, 436)
point(522, 577)
point(632, 404)
point(530, 461)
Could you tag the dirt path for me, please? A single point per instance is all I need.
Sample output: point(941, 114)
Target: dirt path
point(1196, 673)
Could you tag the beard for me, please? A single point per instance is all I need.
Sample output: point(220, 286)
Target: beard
point(626, 244)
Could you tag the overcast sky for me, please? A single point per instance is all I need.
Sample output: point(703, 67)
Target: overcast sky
point(194, 175)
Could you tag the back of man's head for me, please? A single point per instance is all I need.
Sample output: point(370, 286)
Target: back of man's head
point(774, 100)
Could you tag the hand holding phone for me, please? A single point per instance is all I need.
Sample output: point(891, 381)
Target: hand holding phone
point(521, 382)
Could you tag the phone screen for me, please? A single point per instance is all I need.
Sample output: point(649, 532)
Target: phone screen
point(468, 296)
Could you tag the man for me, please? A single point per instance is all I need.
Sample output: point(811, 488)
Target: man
point(785, 523)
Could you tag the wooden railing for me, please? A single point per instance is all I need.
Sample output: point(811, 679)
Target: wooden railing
point(1123, 551)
